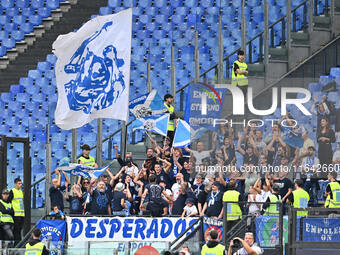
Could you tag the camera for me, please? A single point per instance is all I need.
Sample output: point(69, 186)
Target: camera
point(237, 243)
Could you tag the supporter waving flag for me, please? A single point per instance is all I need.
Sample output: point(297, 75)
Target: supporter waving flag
point(93, 71)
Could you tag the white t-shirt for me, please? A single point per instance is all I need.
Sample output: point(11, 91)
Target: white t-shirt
point(133, 170)
point(253, 207)
point(190, 210)
point(200, 155)
point(255, 247)
point(336, 155)
point(168, 192)
point(310, 163)
point(175, 190)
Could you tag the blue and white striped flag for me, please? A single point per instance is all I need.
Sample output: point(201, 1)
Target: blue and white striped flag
point(157, 124)
point(182, 135)
point(93, 71)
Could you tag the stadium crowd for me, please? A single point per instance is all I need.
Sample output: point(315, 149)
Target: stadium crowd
point(189, 182)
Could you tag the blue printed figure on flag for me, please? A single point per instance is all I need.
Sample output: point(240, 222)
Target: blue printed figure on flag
point(100, 81)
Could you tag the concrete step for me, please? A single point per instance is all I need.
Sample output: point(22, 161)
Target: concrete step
point(300, 38)
point(322, 21)
point(278, 53)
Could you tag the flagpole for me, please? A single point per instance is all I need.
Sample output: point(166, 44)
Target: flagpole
point(99, 149)
point(48, 171)
point(74, 151)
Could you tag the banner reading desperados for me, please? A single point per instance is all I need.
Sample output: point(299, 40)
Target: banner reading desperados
point(131, 228)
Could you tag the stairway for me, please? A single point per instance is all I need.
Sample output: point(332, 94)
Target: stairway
point(78, 14)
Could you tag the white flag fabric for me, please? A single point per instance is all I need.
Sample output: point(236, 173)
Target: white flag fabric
point(93, 71)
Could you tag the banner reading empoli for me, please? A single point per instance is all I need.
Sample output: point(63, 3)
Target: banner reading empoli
point(203, 118)
point(321, 230)
point(53, 231)
point(130, 228)
point(212, 224)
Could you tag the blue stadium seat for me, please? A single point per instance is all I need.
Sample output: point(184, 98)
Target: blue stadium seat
point(10, 27)
point(335, 72)
point(18, 35)
point(190, 3)
point(11, 12)
point(34, 74)
point(145, 19)
point(26, 28)
point(37, 3)
point(22, 114)
point(7, 3)
point(35, 20)
point(52, 4)
point(7, 97)
point(105, 10)
point(51, 58)
point(145, 3)
point(16, 89)
point(166, 10)
point(4, 129)
point(61, 153)
point(19, 19)
point(28, 11)
point(44, 12)
point(44, 66)
point(4, 19)
point(22, 3)
point(3, 51)
point(42, 82)
point(114, 3)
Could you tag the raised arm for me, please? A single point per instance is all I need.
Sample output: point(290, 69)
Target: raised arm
point(239, 149)
point(67, 179)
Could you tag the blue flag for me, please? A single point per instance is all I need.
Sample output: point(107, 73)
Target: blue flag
point(83, 170)
point(157, 124)
point(147, 105)
point(182, 135)
point(53, 231)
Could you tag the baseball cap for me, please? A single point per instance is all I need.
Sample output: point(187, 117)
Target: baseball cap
point(190, 201)
point(85, 147)
point(216, 183)
point(5, 191)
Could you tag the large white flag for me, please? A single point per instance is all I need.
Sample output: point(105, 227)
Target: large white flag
point(93, 71)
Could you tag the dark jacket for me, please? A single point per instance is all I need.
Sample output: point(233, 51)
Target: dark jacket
point(212, 244)
point(3, 210)
point(35, 241)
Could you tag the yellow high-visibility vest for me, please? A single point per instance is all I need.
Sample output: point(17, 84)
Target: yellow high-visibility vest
point(217, 250)
point(301, 199)
point(36, 249)
point(334, 202)
point(239, 79)
point(233, 209)
point(6, 217)
point(274, 207)
point(87, 161)
point(18, 202)
point(171, 126)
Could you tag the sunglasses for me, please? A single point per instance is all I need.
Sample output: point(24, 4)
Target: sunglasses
point(85, 182)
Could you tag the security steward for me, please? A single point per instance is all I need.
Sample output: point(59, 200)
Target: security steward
point(168, 99)
point(16, 198)
point(299, 198)
point(240, 73)
point(6, 216)
point(234, 204)
point(333, 191)
point(272, 205)
point(213, 246)
point(85, 158)
point(34, 246)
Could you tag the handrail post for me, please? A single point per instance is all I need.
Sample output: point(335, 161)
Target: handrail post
point(310, 14)
point(265, 36)
point(288, 27)
point(48, 171)
point(99, 149)
point(123, 140)
point(148, 76)
point(197, 59)
point(332, 17)
point(243, 28)
point(74, 153)
point(173, 75)
point(220, 51)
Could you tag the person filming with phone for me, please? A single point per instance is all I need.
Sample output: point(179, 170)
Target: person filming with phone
point(249, 246)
